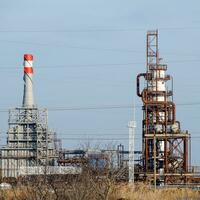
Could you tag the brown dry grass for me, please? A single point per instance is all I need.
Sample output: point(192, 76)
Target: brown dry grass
point(119, 192)
point(142, 192)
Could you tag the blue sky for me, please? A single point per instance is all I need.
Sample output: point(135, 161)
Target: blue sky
point(87, 53)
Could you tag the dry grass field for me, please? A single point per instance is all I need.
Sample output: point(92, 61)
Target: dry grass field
point(141, 192)
point(120, 192)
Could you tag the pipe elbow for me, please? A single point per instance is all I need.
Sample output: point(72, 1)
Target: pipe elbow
point(138, 83)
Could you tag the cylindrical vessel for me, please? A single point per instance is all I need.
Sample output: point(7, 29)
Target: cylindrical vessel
point(28, 101)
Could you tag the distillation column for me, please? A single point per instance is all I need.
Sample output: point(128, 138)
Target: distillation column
point(159, 119)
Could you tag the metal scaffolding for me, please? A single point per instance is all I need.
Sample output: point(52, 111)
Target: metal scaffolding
point(29, 142)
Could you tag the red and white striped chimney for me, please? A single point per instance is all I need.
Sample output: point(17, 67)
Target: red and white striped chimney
point(28, 101)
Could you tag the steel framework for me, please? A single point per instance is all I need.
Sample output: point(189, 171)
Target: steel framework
point(29, 142)
point(170, 154)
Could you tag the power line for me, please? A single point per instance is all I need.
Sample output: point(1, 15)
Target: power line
point(104, 107)
point(75, 65)
point(125, 136)
point(72, 30)
point(111, 107)
point(102, 132)
point(125, 133)
point(99, 30)
point(70, 46)
point(97, 65)
point(106, 139)
point(83, 47)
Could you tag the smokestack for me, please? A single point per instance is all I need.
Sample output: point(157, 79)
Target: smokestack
point(28, 101)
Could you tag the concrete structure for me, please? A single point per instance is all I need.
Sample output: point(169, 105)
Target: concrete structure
point(29, 141)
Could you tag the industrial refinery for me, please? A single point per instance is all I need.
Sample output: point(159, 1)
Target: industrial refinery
point(30, 142)
point(165, 147)
point(165, 157)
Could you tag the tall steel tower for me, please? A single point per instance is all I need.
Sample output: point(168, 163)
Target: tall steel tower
point(30, 143)
point(169, 157)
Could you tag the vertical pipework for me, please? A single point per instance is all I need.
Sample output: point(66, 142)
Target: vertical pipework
point(28, 101)
point(186, 154)
point(162, 135)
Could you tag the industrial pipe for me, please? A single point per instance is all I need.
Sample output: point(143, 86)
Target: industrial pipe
point(138, 83)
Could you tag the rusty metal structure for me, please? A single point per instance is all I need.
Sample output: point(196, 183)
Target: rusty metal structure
point(165, 147)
